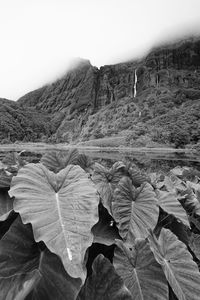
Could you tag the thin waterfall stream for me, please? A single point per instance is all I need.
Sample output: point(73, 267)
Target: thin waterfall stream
point(135, 84)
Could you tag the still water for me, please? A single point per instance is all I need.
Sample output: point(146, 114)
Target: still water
point(147, 159)
point(150, 160)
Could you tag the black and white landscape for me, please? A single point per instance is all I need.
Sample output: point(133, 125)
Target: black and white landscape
point(100, 154)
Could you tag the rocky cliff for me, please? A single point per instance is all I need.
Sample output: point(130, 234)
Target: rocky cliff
point(74, 91)
point(88, 102)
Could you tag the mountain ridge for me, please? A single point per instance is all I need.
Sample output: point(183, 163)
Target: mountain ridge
point(127, 97)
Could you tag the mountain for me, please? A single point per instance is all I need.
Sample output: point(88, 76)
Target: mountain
point(155, 98)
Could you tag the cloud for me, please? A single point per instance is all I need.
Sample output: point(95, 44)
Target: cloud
point(39, 38)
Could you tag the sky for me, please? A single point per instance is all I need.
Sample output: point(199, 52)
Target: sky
point(40, 38)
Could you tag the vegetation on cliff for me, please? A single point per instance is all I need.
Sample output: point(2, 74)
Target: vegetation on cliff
point(153, 100)
point(25, 124)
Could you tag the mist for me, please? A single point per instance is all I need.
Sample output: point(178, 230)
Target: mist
point(40, 38)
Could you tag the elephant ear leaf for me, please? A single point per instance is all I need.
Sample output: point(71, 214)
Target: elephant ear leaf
point(58, 160)
point(106, 181)
point(84, 162)
point(70, 157)
point(105, 231)
point(134, 210)
point(62, 209)
point(137, 177)
point(31, 271)
point(119, 166)
point(53, 161)
point(5, 179)
point(194, 244)
point(142, 275)
point(189, 201)
point(169, 203)
point(18, 287)
point(180, 270)
point(6, 204)
point(104, 283)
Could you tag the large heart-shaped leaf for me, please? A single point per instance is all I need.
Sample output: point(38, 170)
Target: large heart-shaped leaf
point(106, 181)
point(171, 184)
point(5, 179)
point(180, 270)
point(6, 204)
point(62, 209)
point(195, 221)
point(58, 160)
point(137, 177)
point(169, 203)
point(189, 201)
point(119, 166)
point(195, 244)
point(191, 198)
point(134, 210)
point(142, 275)
point(105, 231)
point(104, 283)
point(84, 162)
point(18, 287)
point(179, 229)
point(53, 161)
point(27, 268)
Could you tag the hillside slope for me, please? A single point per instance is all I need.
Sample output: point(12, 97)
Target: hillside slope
point(156, 98)
point(17, 123)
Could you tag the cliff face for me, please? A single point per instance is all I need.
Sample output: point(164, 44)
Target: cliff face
point(173, 67)
point(74, 91)
point(114, 83)
point(183, 55)
point(131, 92)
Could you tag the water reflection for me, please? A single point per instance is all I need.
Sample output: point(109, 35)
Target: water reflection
point(150, 160)
point(146, 160)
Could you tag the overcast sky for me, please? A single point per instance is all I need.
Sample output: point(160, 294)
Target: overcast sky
point(39, 38)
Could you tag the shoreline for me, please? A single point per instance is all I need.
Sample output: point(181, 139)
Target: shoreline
point(43, 146)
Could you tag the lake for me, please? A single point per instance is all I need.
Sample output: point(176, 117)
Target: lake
point(145, 158)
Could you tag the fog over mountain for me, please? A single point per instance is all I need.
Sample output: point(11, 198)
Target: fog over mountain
point(40, 39)
point(150, 101)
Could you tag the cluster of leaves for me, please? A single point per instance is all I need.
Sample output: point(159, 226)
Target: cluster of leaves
point(73, 229)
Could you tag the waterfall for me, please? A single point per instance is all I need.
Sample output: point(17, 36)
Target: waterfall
point(135, 84)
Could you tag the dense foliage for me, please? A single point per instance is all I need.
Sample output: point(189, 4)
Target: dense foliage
point(71, 229)
point(22, 124)
point(150, 120)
